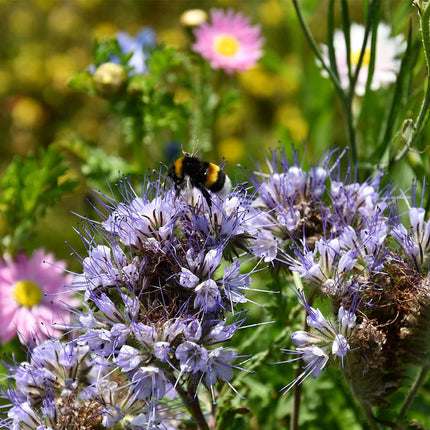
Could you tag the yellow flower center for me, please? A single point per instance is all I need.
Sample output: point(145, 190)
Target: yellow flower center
point(355, 56)
point(226, 45)
point(27, 293)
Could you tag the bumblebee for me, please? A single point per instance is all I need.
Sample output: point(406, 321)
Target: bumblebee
point(189, 171)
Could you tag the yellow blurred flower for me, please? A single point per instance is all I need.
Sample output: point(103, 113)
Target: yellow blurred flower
point(79, 56)
point(58, 68)
point(173, 37)
point(22, 22)
point(259, 82)
point(27, 113)
point(232, 122)
point(27, 67)
point(292, 119)
point(271, 13)
point(45, 5)
point(182, 95)
point(232, 149)
point(65, 20)
point(104, 29)
point(287, 84)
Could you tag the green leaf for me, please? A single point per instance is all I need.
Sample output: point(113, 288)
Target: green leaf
point(397, 106)
point(29, 188)
point(82, 81)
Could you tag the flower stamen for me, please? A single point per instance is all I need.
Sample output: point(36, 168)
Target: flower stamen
point(355, 56)
point(226, 45)
point(27, 293)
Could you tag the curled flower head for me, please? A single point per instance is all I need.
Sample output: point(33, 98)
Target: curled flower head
point(378, 286)
point(65, 385)
point(416, 241)
point(290, 203)
point(387, 64)
point(34, 297)
point(229, 41)
point(328, 341)
point(159, 288)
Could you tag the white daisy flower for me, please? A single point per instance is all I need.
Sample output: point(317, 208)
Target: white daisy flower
point(387, 64)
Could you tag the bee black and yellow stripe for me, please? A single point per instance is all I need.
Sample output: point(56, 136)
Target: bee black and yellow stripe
point(199, 174)
point(215, 178)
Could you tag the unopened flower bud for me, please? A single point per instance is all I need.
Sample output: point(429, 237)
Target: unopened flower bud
point(193, 17)
point(110, 79)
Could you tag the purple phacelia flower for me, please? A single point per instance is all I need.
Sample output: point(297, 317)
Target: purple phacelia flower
point(160, 288)
point(325, 342)
point(192, 357)
point(64, 385)
point(291, 201)
point(416, 241)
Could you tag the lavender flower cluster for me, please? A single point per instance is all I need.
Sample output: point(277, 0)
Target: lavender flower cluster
point(159, 300)
point(347, 242)
point(163, 278)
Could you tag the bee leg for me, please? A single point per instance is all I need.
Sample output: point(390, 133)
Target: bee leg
point(206, 195)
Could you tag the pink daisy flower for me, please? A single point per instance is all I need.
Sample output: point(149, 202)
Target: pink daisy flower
point(33, 297)
point(229, 41)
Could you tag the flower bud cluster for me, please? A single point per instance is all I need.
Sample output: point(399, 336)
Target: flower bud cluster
point(160, 294)
point(327, 341)
point(341, 244)
point(64, 385)
point(296, 206)
point(160, 290)
point(161, 285)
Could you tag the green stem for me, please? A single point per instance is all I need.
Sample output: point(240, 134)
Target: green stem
point(191, 402)
point(346, 100)
point(347, 109)
point(365, 406)
point(369, 414)
point(294, 422)
point(423, 113)
point(413, 391)
point(314, 46)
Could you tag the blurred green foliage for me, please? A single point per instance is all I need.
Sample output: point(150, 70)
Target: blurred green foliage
point(28, 189)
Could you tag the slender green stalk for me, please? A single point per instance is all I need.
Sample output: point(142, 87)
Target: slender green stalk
point(346, 31)
point(424, 110)
point(330, 38)
point(412, 392)
point(365, 406)
point(385, 148)
point(373, 23)
point(315, 47)
point(345, 99)
point(347, 108)
point(370, 17)
point(294, 422)
point(192, 403)
point(369, 414)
